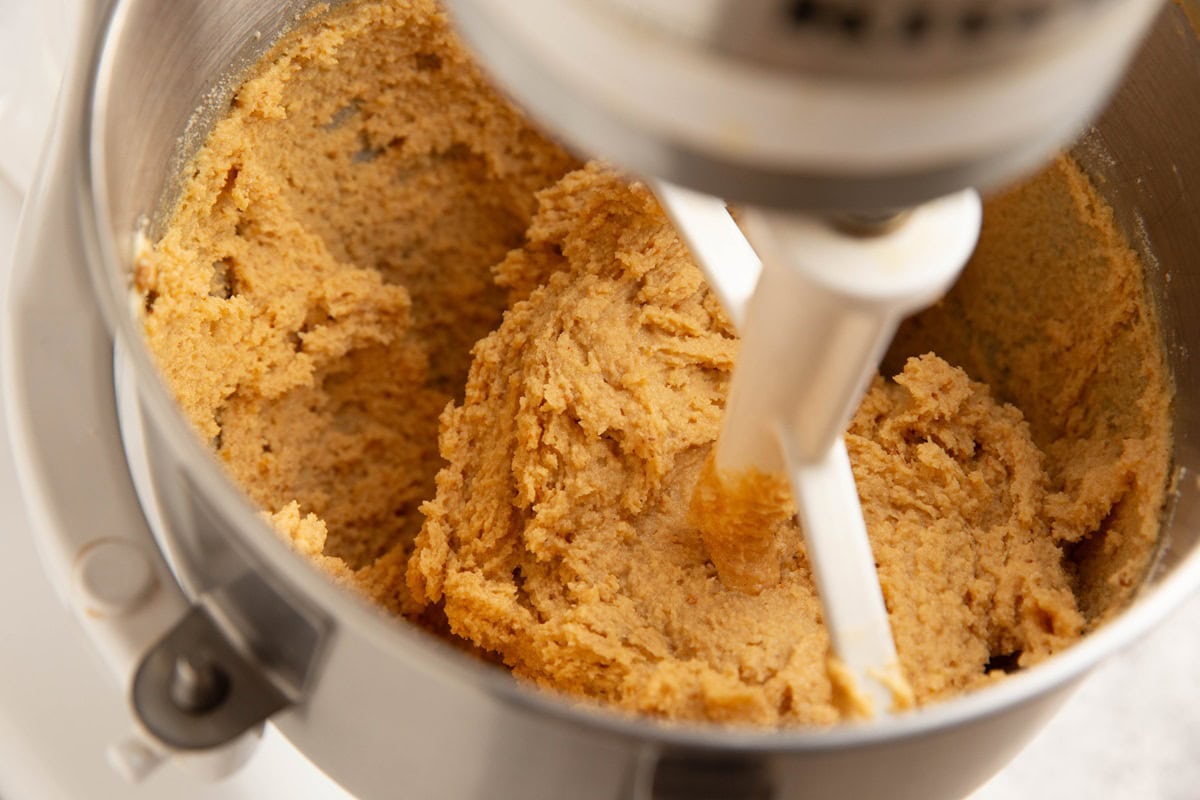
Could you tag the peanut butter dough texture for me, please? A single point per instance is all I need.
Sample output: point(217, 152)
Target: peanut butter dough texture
point(477, 382)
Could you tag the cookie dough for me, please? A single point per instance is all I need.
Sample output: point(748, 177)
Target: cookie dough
point(562, 535)
point(316, 293)
point(371, 238)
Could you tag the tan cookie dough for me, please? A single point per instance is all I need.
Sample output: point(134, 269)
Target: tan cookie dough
point(315, 296)
point(364, 215)
point(562, 538)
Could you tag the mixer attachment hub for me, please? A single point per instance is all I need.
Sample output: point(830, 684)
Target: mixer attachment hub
point(194, 690)
point(198, 685)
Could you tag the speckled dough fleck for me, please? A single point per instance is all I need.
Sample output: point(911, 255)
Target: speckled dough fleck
point(478, 383)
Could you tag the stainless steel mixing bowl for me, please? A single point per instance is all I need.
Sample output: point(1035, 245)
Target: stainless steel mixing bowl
point(385, 709)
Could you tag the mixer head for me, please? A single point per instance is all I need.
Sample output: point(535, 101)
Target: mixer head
point(852, 105)
point(869, 39)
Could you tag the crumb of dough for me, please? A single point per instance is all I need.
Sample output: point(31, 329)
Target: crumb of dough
point(306, 535)
point(561, 538)
point(849, 698)
point(316, 294)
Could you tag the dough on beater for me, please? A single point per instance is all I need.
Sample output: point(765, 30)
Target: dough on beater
point(738, 516)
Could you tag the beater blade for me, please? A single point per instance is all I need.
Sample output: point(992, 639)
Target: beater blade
point(816, 314)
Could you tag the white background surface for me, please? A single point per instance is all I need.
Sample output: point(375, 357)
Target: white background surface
point(1132, 731)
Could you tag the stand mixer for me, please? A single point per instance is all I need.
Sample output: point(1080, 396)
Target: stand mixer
point(850, 133)
point(125, 498)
